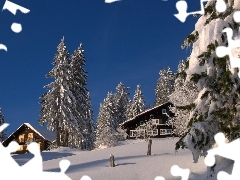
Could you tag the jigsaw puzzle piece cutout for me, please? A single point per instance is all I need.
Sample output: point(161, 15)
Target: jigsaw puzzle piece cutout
point(88, 178)
point(177, 171)
point(5, 156)
point(34, 165)
point(210, 158)
point(64, 165)
point(226, 150)
point(221, 51)
point(223, 176)
point(111, 1)
point(221, 6)
point(12, 7)
point(181, 6)
point(236, 16)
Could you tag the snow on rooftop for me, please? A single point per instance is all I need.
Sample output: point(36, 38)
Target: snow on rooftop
point(46, 134)
point(145, 112)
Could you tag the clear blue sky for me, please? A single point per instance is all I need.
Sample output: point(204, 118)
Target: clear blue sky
point(128, 41)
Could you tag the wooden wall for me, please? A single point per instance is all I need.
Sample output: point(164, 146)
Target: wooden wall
point(23, 136)
point(155, 113)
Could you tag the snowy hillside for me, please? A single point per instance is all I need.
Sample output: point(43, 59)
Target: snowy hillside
point(131, 160)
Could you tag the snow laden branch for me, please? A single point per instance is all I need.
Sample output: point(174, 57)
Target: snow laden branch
point(216, 105)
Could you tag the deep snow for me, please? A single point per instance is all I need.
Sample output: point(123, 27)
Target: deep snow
point(131, 160)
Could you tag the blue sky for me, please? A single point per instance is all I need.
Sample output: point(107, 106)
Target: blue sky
point(128, 41)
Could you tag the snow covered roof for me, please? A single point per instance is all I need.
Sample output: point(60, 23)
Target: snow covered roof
point(48, 135)
point(145, 112)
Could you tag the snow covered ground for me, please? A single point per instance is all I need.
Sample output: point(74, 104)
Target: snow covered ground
point(131, 160)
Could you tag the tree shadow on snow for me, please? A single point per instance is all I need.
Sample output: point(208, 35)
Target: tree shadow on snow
point(121, 164)
point(104, 163)
point(47, 156)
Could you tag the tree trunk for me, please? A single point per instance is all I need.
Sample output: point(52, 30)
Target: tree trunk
point(58, 136)
point(66, 135)
point(149, 146)
point(112, 163)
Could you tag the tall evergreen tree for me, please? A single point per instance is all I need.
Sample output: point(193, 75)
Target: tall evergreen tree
point(217, 107)
point(138, 103)
point(129, 114)
point(165, 86)
point(183, 97)
point(58, 104)
point(90, 131)
point(84, 111)
point(121, 101)
point(3, 135)
point(106, 123)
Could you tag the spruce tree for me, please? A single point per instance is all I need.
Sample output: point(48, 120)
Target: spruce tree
point(216, 109)
point(129, 114)
point(59, 103)
point(3, 135)
point(183, 96)
point(84, 111)
point(108, 132)
point(138, 103)
point(90, 131)
point(121, 102)
point(106, 123)
point(165, 86)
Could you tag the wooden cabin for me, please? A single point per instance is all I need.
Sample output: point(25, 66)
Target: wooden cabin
point(158, 116)
point(26, 134)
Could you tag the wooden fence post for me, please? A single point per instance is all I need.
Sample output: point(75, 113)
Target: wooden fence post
point(149, 146)
point(112, 163)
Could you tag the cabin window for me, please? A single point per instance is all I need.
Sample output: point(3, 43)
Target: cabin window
point(162, 131)
point(30, 136)
point(164, 111)
point(21, 138)
point(160, 121)
point(20, 148)
point(169, 131)
point(133, 133)
point(155, 121)
point(39, 144)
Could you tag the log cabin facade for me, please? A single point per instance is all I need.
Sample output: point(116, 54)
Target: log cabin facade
point(158, 116)
point(26, 134)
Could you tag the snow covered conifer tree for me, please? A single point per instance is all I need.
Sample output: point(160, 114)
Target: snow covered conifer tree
point(138, 103)
point(106, 123)
point(90, 131)
point(121, 101)
point(3, 135)
point(58, 104)
point(216, 108)
point(183, 96)
point(129, 113)
point(165, 86)
point(84, 112)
